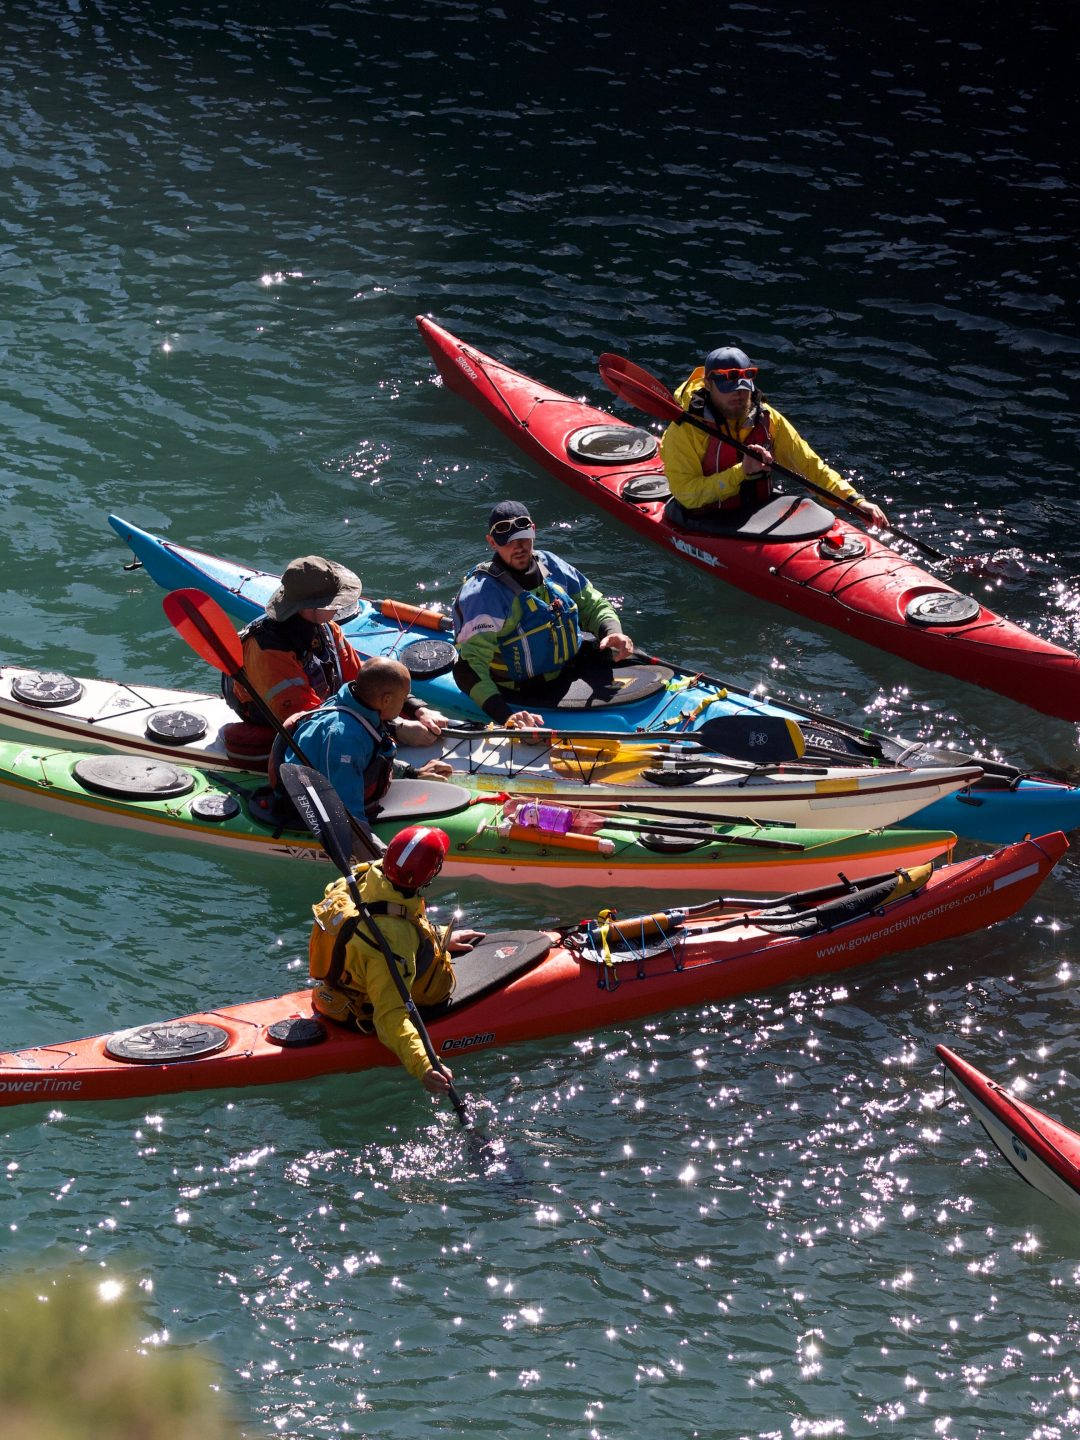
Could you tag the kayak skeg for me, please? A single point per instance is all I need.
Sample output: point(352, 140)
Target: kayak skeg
point(526, 986)
point(569, 768)
point(1006, 804)
point(1042, 1151)
point(793, 552)
point(492, 838)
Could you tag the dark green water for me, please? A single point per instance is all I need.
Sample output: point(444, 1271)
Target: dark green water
point(214, 233)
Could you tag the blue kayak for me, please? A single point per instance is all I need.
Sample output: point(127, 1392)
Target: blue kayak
point(669, 698)
point(1001, 808)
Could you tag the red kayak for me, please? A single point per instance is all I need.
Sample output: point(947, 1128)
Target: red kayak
point(533, 984)
point(1042, 1151)
point(792, 552)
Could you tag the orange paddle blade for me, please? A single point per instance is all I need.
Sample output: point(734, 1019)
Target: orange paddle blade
point(207, 629)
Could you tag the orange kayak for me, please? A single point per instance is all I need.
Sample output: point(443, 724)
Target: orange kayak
point(534, 984)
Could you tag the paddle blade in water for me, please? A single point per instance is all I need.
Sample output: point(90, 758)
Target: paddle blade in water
point(206, 628)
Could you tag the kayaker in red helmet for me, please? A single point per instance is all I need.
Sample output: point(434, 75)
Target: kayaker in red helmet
point(713, 485)
point(296, 653)
point(518, 621)
point(353, 984)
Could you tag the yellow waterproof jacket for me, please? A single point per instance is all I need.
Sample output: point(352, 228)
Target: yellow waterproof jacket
point(683, 448)
point(353, 980)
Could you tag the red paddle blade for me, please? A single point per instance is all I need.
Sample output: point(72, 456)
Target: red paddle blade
point(206, 628)
point(631, 382)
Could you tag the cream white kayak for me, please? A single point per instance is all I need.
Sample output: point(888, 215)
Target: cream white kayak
point(656, 774)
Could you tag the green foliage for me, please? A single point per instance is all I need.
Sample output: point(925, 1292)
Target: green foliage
point(71, 1368)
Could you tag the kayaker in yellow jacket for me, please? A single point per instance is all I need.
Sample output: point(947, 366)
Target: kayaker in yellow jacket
point(716, 485)
point(353, 983)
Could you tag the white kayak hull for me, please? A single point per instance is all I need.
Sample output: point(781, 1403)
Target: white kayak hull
point(111, 715)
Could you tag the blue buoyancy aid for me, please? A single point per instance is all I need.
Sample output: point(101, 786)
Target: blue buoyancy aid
point(541, 633)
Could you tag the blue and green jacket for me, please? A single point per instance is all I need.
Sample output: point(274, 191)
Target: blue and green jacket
point(509, 632)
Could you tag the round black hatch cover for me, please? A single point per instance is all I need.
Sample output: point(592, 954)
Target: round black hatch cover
point(428, 658)
point(215, 807)
point(650, 486)
point(666, 843)
point(176, 727)
point(46, 688)
point(173, 1040)
point(612, 444)
point(943, 607)
point(851, 547)
point(619, 686)
point(132, 777)
point(296, 1031)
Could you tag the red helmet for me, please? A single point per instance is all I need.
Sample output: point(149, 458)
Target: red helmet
point(415, 856)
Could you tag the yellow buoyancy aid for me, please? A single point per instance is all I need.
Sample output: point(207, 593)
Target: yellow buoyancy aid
point(402, 920)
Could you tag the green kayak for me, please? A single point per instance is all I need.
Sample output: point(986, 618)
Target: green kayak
point(505, 840)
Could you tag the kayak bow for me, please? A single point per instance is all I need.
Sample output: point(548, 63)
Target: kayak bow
point(1042, 1151)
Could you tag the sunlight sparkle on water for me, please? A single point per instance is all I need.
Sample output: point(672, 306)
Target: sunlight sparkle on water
point(816, 1428)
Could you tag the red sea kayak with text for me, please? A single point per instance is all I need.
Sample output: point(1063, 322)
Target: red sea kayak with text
point(530, 985)
point(793, 552)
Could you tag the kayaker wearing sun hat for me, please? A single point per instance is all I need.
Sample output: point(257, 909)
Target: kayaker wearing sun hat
point(518, 620)
point(296, 653)
point(716, 486)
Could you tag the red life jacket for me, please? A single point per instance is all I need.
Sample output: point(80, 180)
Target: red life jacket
point(313, 647)
point(721, 455)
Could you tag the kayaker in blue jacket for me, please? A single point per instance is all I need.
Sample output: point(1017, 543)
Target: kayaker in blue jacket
point(350, 738)
point(518, 621)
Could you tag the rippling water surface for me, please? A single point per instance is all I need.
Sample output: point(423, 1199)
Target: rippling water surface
point(750, 1220)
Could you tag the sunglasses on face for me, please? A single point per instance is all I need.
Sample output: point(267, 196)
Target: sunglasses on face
point(503, 531)
point(749, 373)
